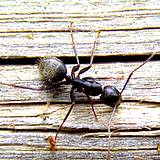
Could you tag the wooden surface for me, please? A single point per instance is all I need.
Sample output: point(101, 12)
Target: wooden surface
point(32, 29)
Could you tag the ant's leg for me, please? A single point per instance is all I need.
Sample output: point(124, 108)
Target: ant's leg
point(115, 107)
point(94, 47)
point(36, 89)
point(73, 43)
point(148, 59)
point(91, 102)
point(92, 56)
point(53, 145)
point(109, 131)
point(76, 67)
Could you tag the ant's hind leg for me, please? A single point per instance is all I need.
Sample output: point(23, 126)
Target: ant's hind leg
point(73, 43)
point(92, 56)
point(77, 66)
point(36, 89)
point(54, 139)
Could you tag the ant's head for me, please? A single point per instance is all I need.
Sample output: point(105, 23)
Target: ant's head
point(111, 96)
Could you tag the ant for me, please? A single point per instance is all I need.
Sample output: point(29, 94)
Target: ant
point(54, 71)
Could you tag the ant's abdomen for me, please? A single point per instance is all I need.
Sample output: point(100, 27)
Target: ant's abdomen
point(52, 70)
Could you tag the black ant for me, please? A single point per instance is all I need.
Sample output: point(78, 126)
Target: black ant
point(54, 71)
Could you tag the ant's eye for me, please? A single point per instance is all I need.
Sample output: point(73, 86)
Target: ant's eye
point(52, 69)
point(111, 96)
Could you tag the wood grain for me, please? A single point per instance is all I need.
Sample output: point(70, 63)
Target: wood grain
point(33, 29)
point(38, 29)
point(37, 44)
point(40, 117)
point(142, 86)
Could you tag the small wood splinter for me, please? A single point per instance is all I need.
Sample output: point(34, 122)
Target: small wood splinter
point(52, 143)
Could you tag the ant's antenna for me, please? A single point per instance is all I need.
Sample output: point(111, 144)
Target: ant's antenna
point(115, 107)
point(148, 59)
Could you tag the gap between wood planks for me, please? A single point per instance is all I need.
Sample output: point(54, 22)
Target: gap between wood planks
point(84, 60)
point(83, 30)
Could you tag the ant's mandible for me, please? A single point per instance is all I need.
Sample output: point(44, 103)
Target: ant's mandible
point(54, 71)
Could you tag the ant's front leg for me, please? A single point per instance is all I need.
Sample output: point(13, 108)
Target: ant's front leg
point(91, 102)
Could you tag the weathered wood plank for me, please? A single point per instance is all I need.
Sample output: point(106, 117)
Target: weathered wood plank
point(37, 29)
point(132, 28)
point(29, 45)
point(76, 7)
point(129, 116)
point(137, 155)
point(31, 145)
point(44, 22)
point(84, 143)
point(144, 85)
point(34, 15)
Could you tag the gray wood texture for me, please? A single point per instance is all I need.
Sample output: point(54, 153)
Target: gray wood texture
point(33, 29)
